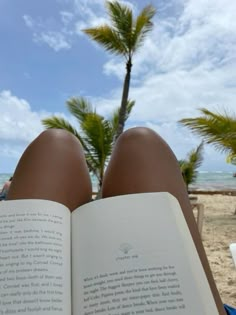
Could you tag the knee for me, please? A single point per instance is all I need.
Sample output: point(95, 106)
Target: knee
point(140, 135)
point(145, 140)
point(54, 134)
point(57, 137)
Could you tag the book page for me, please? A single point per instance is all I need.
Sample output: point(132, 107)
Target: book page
point(34, 258)
point(134, 255)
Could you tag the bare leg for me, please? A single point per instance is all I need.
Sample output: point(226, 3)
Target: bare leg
point(143, 162)
point(53, 167)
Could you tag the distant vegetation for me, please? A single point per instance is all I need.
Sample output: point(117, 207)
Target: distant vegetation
point(190, 164)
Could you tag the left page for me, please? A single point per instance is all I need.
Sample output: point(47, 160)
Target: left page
point(34, 258)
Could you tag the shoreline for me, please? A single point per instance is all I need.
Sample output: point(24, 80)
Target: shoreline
point(226, 192)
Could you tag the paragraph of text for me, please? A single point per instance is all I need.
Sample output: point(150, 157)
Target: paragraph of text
point(133, 292)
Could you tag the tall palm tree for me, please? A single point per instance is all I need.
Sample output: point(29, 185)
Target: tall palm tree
point(189, 166)
point(95, 133)
point(125, 35)
point(217, 129)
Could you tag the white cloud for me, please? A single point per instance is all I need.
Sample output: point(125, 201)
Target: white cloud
point(55, 40)
point(80, 14)
point(28, 21)
point(17, 122)
point(202, 33)
point(19, 125)
point(89, 14)
point(66, 17)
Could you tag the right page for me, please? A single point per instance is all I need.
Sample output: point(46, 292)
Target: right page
point(134, 255)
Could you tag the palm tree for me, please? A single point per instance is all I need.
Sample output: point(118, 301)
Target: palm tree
point(96, 133)
point(125, 35)
point(189, 166)
point(217, 129)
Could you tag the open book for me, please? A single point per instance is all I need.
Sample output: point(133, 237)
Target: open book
point(126, 255)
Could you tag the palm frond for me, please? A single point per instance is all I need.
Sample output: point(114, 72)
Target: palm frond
point(99, 136)
point(143, 26)
point(59, 123)
point(115, 115)
point(196, 156)
point(217, 129)
point(181, 162)
point(190, 165)
point(231, 158)
point(121, 17)
point(108, 38)
point(95, 135)
point(79, 107)
point(98, 132)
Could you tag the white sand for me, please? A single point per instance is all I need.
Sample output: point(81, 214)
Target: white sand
point(219, 230)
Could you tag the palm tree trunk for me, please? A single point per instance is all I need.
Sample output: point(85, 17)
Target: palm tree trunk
point(124, 100)
point(100, 180)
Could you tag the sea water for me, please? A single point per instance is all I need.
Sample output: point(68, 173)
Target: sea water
point(214, 181)
point(5, 177)
point(205, 181)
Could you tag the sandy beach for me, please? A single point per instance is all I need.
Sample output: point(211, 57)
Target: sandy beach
point(219, 230)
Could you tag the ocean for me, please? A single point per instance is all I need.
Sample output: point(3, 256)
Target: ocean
point(214, 181)
point(205, 181)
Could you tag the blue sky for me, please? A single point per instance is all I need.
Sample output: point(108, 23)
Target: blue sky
point(187, 62)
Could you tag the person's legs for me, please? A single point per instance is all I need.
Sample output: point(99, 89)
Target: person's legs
point(143, 162)
point(53, 167)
